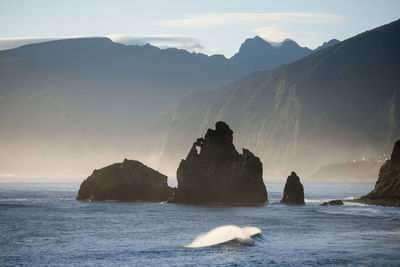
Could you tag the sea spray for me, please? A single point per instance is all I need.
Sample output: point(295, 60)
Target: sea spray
point(225, 233)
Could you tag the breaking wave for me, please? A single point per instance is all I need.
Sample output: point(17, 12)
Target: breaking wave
point(225, 234)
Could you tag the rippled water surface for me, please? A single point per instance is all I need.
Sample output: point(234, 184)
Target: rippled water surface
point(42, 224)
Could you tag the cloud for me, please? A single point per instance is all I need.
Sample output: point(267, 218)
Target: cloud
point(162, 41)
point(224, 19)
point(277, 35)
point(135, 40)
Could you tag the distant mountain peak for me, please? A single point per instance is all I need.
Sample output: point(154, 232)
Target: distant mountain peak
point(289, 43)
point(254, 43)
point(327, 44)
point(258, 53)
point(259, 44)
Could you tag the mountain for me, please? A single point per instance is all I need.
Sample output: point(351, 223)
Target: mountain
point(334, 105)
point(327, 44)
point(256, 53)
point(69, 102)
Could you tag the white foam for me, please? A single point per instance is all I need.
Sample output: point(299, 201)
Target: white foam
point(316, 200)
point(223, 234)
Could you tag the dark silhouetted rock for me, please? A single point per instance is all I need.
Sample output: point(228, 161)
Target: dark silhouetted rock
point(217, 173)
point(387, 188)
point(294, 191)
point(336, 202)
point(126, 181)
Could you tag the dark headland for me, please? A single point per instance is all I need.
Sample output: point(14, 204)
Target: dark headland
point(387, 188)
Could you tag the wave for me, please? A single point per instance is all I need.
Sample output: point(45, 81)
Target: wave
point(325, 200)
point(224, 234)
point(316, 200)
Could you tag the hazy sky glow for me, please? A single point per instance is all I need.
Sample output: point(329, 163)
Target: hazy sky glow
point(205, 26)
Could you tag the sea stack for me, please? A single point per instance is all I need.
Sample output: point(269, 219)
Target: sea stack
point(387, 188)
point(294, 191)
point(127, 181)
point(214, 172)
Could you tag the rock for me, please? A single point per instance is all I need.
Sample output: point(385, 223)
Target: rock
point(387, 188)
point(126, 181)
point(294, 191)
point(217, 173)
point(336, 202)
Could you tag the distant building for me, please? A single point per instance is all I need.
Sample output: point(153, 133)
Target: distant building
point(377, 159)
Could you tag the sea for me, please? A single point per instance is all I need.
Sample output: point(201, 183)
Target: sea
point(43, 224)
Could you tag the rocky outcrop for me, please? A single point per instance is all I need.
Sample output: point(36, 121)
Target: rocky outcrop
point(387, 188)
point(214, 172)
point(126, 181)
point(336, 202)
point(294, 191)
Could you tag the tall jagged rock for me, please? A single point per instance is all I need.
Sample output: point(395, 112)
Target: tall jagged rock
point(217, 173)
point(127, 181)
point(387, 188)
point(294, 191)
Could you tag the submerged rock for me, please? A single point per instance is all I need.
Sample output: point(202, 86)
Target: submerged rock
point(294, 191)
point(217, 173)
point(336, 202)
point(387, 188)
point(127, 181)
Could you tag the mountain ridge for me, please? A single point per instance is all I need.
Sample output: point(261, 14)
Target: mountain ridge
point(337, 104)
point(96, 97)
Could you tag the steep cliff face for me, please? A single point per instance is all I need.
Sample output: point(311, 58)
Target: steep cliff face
point(126, 181)
point(308, 105)
point(387, 188)
point(293, 192)
point(214, 172)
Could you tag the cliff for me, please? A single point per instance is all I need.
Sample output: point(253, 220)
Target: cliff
point(387, 188)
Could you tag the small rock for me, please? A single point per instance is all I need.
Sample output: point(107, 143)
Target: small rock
point(336, 202)
point(294, 191)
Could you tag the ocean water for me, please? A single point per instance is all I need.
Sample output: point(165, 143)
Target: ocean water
point(43, 224)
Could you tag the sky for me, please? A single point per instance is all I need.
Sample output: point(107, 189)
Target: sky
point(207, 26)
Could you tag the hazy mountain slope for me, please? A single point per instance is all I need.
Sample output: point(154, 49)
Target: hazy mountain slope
point(74, 102)
point(333, 105)
point(348, 171)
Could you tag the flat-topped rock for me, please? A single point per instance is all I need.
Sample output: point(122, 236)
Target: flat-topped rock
point(293, 192)
point(214, 172)
point(127, 181)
